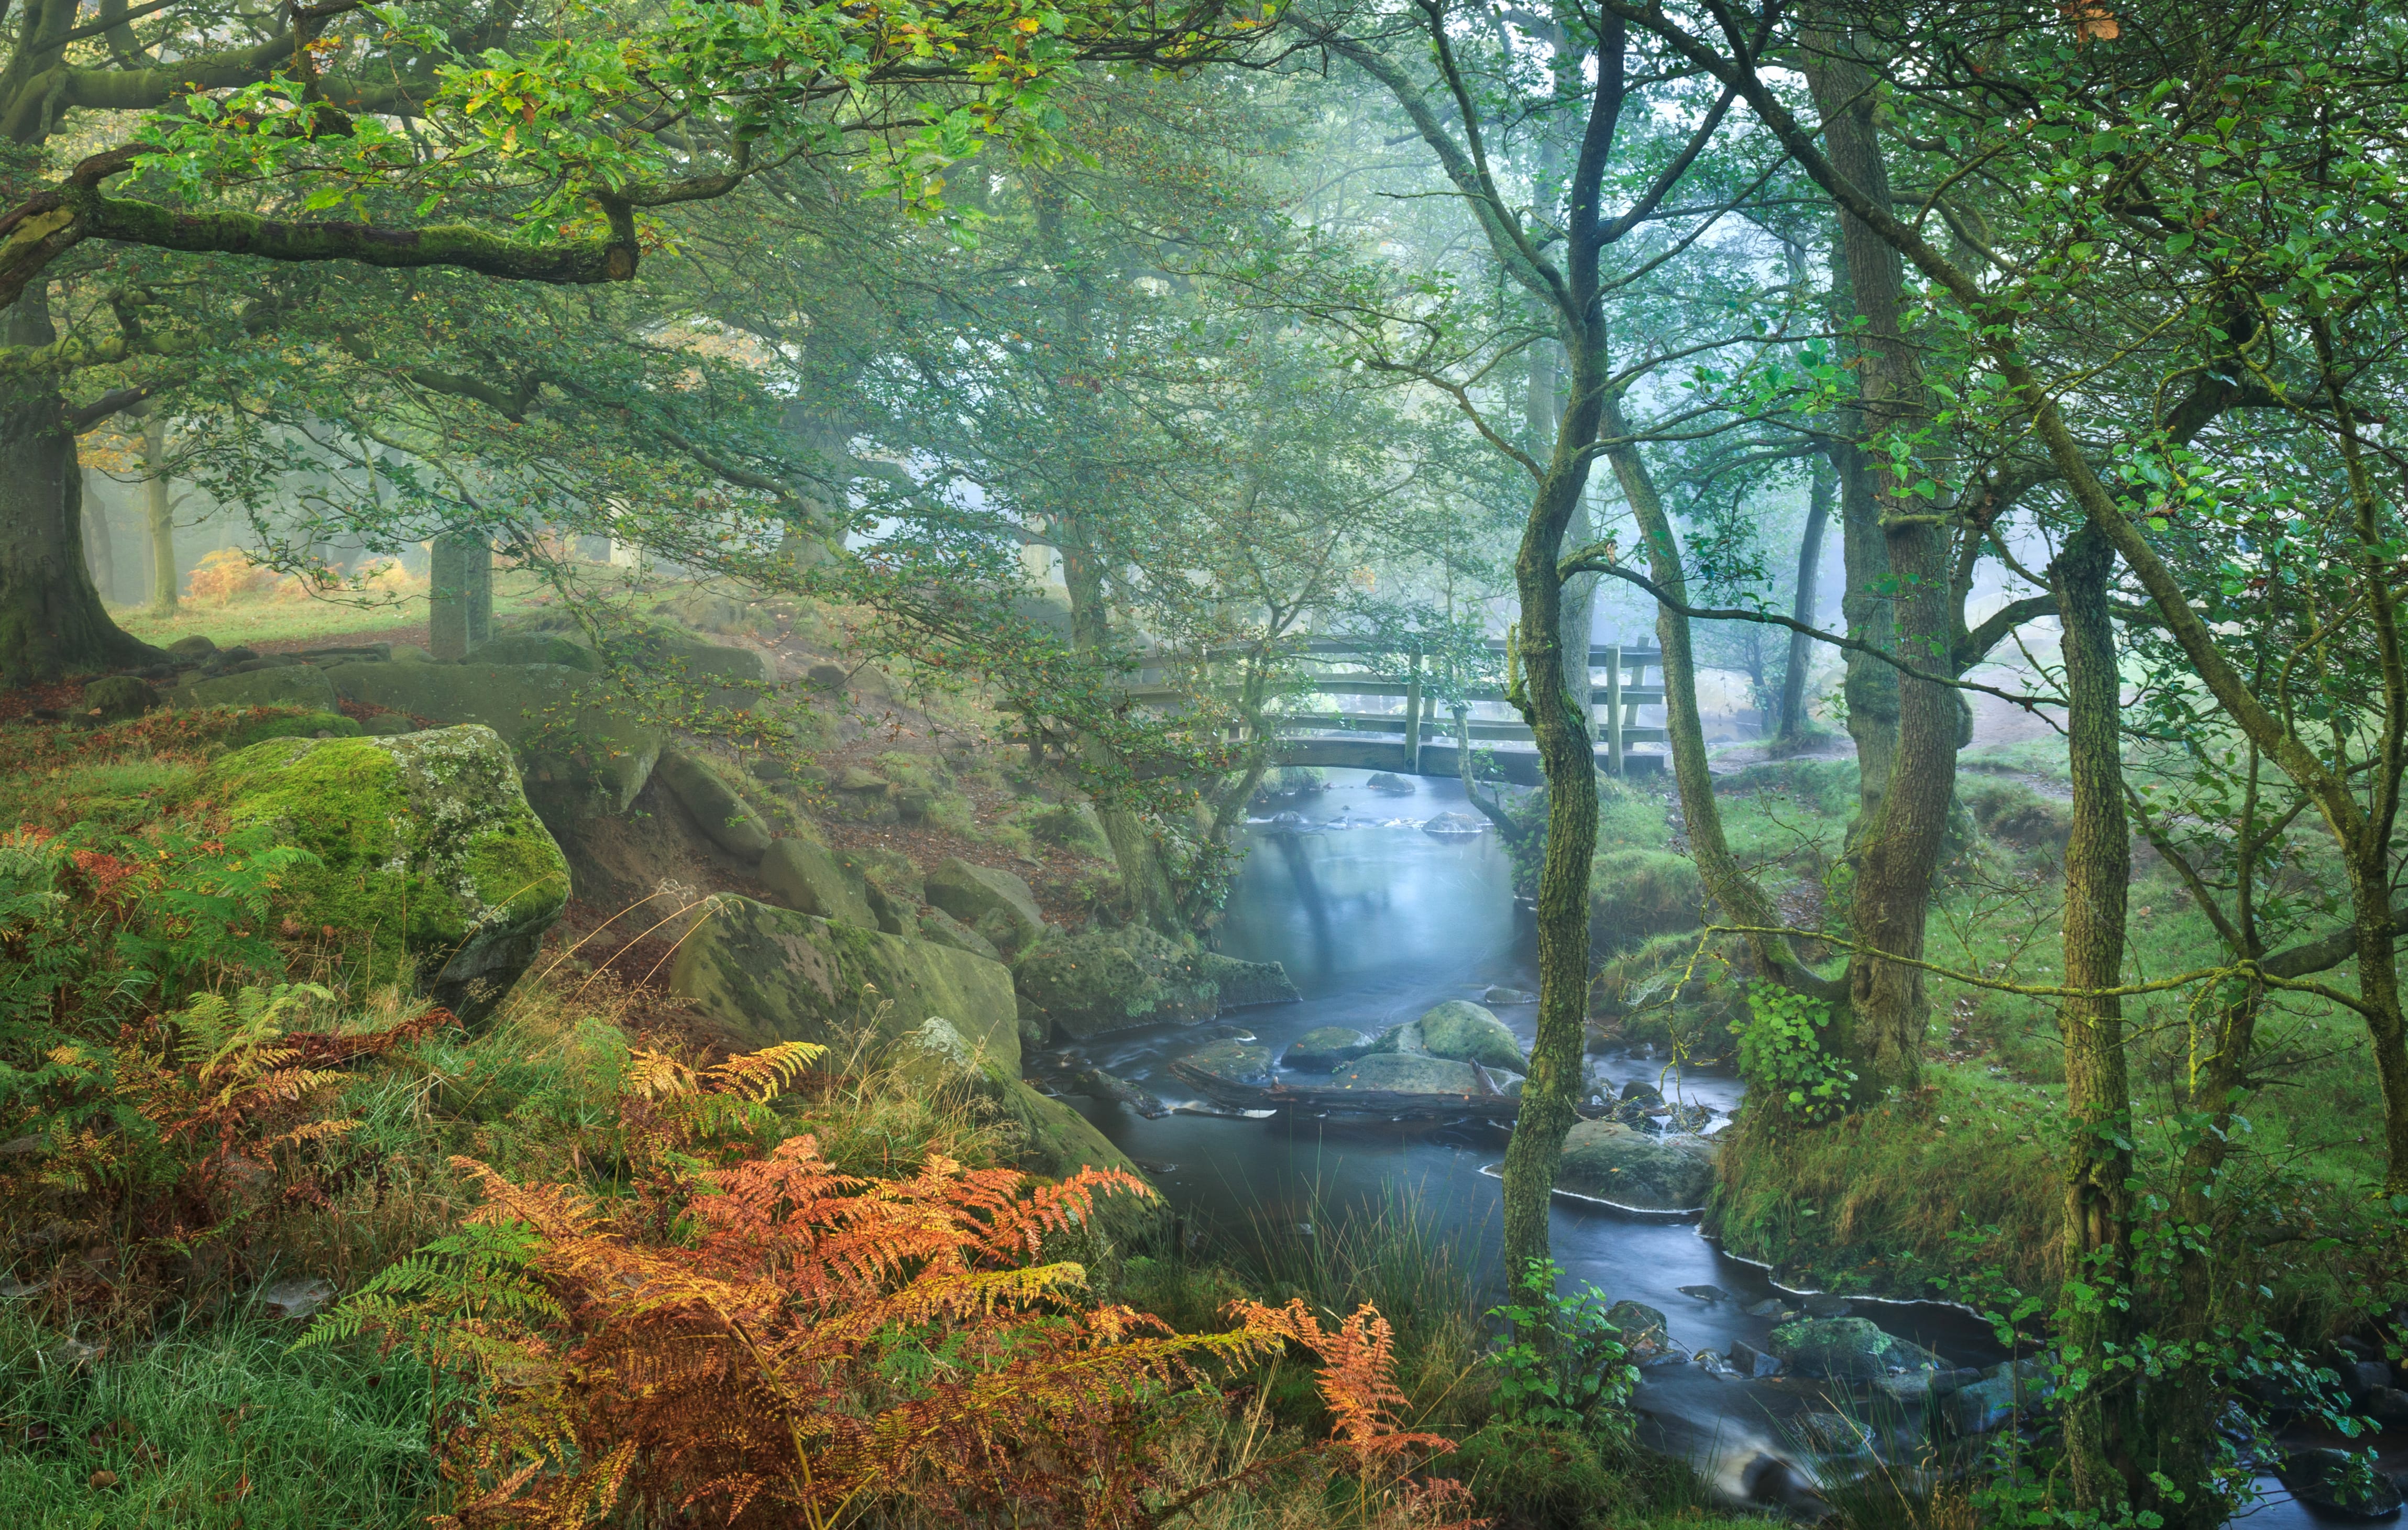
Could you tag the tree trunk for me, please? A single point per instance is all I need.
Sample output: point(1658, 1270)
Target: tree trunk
point(100, 548)
point(1810, 567)
point(459, 595)
point(52, 621)
point(1896, 847)
point(2101, 1415)
point(159, 512)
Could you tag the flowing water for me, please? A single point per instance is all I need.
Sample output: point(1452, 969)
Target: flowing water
point(1376, 922)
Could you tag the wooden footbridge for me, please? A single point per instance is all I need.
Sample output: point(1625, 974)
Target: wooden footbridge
point(1415, 739)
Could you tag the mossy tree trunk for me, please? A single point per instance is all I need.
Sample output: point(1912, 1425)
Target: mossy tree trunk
point(52, 620)
point(2100, 1403)
point(159, 513)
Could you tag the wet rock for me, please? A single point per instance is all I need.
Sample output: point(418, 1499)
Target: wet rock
point(1287, 823)
point(1646, 1333)
point(1235, 1063)
point(2385, 1406)
point(192, 650)
point(1706, 1294)
point(1640, 1092)
point(1832, 1434)
point(1982, 1407)
point(1323, 1048)
point(118, 697)
point(2336, 1482)
point(1470, 1034)
point(1679, 1119)
point(1094, 1082)
point(1244, 985)
point(1827, 1304)
point(1772, 1306)
point(297, 1299)
point(1753, 1362)
point(1846, 1350)
point(1502, 995)
point(2360, 1377)
point(811, 879)
point(1454, 825)
point(1404, 1074)
point(1391, 786)
point(1612, 1163)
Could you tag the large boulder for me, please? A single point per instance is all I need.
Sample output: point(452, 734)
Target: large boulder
point(811, 879)
point(535, 648)
point(1323, 1048)
point(1847, 1349)
point(114, 698)
point(945, 930)
point(725, 815)
point(430, 863)
point(1401, 1073)
point(1241, 984)
point(1099, 980)
point(580, 750)
point(766, 975)
point(291, 685)
point(968, 893)
point(1612, 1163)
point(1470, 1034)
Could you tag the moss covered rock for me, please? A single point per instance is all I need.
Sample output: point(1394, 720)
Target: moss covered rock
point(278, 723)
point(427, 852)
point(766, 975)
point(1611, 1162)
point(810, 879)
point(113, 698)
point(289, 685)
point(580, 748)
point(725, 815)
point(1239, 1063)
point(1470, 1034)
point(1847, 1349)
point(1405, 1073)
point(1086, 984)
point(945, 930)
point(535, 648)
point(970, 892)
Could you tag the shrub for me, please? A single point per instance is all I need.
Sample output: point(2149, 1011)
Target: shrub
point(1564, 1364)
point(1536, 1477)
point(1782, 1055)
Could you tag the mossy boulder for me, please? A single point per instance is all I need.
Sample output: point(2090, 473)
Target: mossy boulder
point(1242, 984)
point(1323, 1048)
point(278, 723)
point(1611, 1162)
point(2013, 812)
point(971, 893)
point(1847, 1349)
point(535, 648)
point(945, 930)
point(1468, 1033)
point(810, 879)
point(764, 975)
point(716, 806)
point(114, 698)
point(427, 854)
point(1099, 981)
point(289, 685)
point(580, 751)
point(1402, 1073)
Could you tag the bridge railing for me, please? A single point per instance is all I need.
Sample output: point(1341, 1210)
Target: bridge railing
point(1614, 701)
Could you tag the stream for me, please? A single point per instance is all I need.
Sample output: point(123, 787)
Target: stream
point(1376, 922)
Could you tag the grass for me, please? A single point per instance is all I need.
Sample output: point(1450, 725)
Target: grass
point(1965, 1176)
point(263, 620)
point(217, 1424)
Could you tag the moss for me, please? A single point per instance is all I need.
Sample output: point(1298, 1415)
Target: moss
point(290, 726)
point(1634, 893)
point(1671, 993)
point(1102, 981)
point(428, 855)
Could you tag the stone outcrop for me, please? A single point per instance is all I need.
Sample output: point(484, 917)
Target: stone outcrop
point(1611, 1162)
point(426, 850)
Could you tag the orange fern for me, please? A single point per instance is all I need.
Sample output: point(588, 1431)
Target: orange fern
point(797, 1343)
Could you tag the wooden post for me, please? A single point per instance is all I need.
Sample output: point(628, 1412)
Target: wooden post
point(1614, 708)
point(1413, 714)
